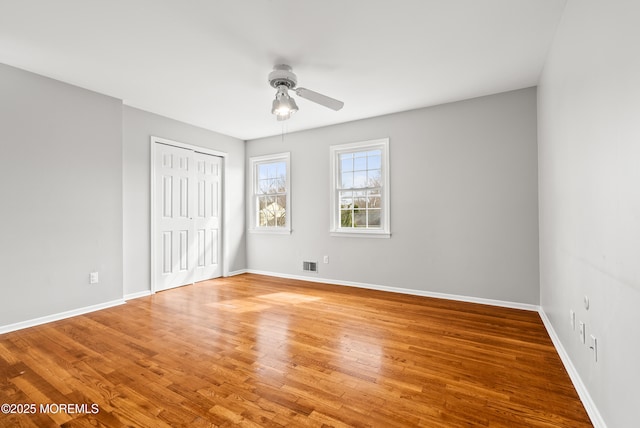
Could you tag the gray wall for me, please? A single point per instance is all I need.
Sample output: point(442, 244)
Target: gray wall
point(138, 127)
point(589, 151)
point(61, 196)
point(464, 213)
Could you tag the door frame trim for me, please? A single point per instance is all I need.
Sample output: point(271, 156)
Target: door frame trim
point(154, 141)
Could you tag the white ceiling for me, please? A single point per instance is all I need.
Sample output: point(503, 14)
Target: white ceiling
point(205, 62)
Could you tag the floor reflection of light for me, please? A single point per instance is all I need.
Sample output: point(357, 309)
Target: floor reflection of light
point(275, 334)
point(285, 297)
point(239, 306)
point(272, 345)
point(283, 344)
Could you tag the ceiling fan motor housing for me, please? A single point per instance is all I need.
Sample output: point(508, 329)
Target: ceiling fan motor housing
point(282, 76)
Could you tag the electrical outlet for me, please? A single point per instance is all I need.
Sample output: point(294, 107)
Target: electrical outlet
point(594, 347)
point(572, 319)
point(581, 331)
point(93, 278)
point(326, 259)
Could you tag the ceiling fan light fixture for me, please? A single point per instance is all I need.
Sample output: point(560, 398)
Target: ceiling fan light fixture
point(283, 106)
point(283, 79)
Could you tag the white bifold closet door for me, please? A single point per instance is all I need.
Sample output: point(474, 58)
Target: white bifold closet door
point(187, 216)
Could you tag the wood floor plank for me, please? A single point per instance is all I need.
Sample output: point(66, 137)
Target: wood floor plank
point(260, 351)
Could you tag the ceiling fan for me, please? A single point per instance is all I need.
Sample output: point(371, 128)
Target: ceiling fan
point(283, 79)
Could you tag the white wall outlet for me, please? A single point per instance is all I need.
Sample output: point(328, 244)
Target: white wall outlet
point(325, 259)
point(586, 302)
point(572, 319)
point(594, 347)
point(581, 331)
point(93, 278)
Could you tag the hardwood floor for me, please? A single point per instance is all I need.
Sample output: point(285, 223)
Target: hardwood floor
point(259, 351)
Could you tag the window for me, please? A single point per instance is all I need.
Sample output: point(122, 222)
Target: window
point(360, 189)
point(271, 195)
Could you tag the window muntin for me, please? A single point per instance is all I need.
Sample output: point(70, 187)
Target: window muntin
point(271, 195)
point(360, 188)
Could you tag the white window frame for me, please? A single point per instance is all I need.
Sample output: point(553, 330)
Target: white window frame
point(254, 162)
point(385, 223)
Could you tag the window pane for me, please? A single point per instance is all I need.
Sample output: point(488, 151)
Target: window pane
point(375, 178)
point(263, 186)
point(262, 171)
point(359, 200)
point(346, 163)
point(346, 180)
point(264, 210)
point(374, 218)
point(272, 170)
point(346, 218)
point(373, 202)
point(360, 164)
point(280, 210)
point(360, 219)
point(272, 212)
point(374, 162)
point(264, 201)
point(346, 203)
point(360, 179)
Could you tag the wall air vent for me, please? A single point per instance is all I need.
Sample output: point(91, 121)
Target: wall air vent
point(310, 266)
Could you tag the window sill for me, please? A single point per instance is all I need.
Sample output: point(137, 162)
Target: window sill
point(361, 234)
point(272, 231)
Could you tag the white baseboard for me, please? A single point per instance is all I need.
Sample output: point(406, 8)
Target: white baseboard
point(146, 293)
point(60, 316)
point(236, 272)
point(137, 295)
point(491, 302)
point(583, 393)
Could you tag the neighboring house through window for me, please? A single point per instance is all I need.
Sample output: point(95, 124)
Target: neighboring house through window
point(271, 194)
point(360, 189)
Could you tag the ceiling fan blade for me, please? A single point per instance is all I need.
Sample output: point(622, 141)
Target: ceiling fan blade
point(324, 100)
